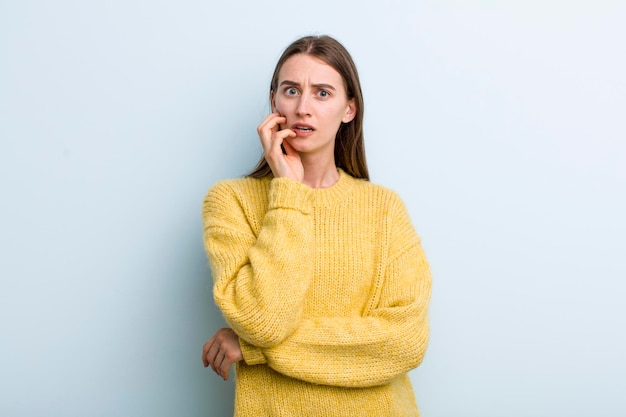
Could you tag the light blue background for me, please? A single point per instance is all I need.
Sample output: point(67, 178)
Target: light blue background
point(501, 123)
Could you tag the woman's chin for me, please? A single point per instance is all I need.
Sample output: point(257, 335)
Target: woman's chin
point(304, 145)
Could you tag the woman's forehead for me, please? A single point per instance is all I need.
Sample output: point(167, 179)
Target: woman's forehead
point(303, 67)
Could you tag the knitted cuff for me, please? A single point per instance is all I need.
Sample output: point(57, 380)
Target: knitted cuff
point(252, 355)
point(290, 194)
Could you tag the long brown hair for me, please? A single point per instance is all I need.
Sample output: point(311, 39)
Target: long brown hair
point(349, 146)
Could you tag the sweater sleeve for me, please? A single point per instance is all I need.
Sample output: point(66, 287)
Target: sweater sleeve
point(260, 278)
point(385, 342)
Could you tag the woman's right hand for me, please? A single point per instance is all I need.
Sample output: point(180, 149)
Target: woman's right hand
point(282, 164)
point(221, 351)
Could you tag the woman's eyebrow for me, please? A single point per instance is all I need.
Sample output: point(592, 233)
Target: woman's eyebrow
point(324, 86)
point(321, 85)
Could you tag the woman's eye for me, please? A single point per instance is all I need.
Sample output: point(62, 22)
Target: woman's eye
point(291, 91)
point(323, 93)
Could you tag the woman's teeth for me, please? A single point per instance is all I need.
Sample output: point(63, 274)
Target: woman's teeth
point(304, 129)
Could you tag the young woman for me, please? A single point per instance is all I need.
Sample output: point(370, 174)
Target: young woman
point(318, 272)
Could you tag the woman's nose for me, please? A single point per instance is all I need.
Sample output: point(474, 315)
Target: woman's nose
point(303, 106)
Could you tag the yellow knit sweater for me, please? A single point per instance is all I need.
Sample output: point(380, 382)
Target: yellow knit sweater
point(328, 291)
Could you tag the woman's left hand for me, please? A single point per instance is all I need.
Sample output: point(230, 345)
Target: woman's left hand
point(221, 351)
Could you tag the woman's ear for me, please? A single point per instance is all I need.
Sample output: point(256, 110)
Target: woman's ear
point(350, 112)
point(273, 102)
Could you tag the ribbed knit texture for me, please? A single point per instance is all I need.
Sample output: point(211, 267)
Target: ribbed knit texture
point(328, 291)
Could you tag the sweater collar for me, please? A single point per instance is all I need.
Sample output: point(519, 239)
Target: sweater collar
point(323, 197)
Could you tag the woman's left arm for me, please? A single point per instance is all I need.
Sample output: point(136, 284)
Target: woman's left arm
point(373, 349)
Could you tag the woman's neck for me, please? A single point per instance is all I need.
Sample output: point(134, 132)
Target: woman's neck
point(319, 173)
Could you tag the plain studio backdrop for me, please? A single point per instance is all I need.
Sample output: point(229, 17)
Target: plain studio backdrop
point(500, 123)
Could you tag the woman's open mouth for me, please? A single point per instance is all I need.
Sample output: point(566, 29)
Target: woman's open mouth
point(303, 130)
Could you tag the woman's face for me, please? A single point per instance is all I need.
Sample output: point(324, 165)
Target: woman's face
point(312, 96)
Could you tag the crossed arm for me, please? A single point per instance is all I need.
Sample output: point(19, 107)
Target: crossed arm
point(264, 312)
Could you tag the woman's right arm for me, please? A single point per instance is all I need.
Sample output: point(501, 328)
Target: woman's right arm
point(260, 280)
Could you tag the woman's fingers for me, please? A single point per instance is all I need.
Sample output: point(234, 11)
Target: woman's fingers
point(214, 354)
point(269, 127)
point(218, 362)
point(288, 148)
point(224, 367)
point(273, 142)
point(270, 134)
point(221, 351)
point(275, 151)
point(277, 159)
point(205, 350)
